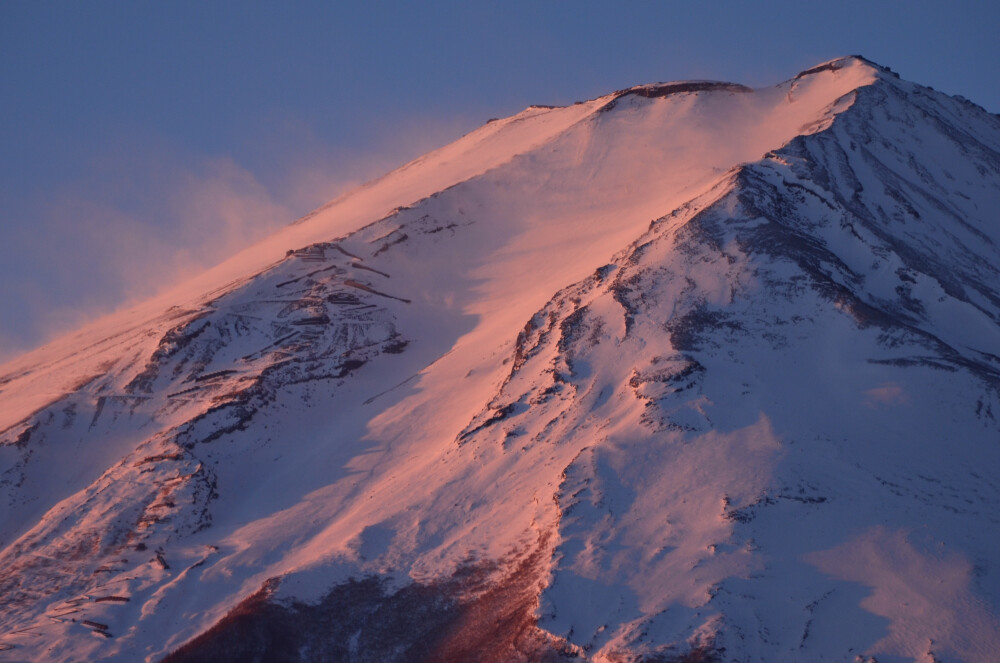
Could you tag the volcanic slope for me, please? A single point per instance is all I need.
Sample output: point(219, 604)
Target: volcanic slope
point(687, 372)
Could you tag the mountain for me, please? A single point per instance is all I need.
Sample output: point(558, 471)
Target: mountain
point(688, 372)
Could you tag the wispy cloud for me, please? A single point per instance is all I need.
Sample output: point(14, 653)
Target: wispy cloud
point(146, 215)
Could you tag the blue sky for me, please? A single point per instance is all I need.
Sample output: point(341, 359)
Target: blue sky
point(141, 141)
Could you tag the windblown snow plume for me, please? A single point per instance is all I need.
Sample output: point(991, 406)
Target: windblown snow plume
point(689, 372)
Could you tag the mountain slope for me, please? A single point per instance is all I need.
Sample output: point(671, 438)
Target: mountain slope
point(514, 418)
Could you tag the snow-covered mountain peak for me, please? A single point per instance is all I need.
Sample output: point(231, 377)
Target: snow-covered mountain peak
point(848, 62)
point(646, 156)
point(690, 371)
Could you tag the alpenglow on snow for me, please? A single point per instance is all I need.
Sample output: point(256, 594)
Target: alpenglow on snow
point(688, 372)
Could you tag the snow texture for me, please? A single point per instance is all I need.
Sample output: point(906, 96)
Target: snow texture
point(691, 371)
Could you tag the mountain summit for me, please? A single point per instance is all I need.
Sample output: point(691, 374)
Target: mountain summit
point(688, 372)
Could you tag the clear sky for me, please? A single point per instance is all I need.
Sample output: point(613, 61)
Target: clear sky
point(140, 141)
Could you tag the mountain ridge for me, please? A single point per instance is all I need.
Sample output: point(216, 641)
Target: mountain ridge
point(669, 353)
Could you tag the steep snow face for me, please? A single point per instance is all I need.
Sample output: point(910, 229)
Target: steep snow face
point(640, 157)
point(765, 405)
point(757, 428)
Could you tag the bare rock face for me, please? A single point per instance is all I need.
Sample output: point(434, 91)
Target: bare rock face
point(690, 372)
